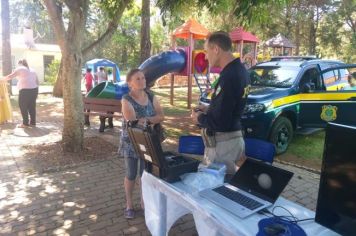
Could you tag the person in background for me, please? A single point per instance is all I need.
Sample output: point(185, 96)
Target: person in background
point(88, 79)
point(220, 121)
point(101, 75)
point(28, 90)
point(144, 107)
point(351, 78)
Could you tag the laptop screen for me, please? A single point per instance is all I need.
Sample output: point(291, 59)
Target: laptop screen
point(262, 180)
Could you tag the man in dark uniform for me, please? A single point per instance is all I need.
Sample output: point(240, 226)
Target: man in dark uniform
point(220, 122)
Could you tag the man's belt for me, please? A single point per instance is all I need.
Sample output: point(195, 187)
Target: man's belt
point(225, 136)
point(210, 139)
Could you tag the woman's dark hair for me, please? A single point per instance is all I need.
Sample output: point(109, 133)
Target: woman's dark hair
point(221, 39)
point(23, 62)
point(131, 73)
point(88, 69)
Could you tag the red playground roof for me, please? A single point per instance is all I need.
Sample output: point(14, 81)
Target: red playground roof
point(238, 34)
point(191, 27)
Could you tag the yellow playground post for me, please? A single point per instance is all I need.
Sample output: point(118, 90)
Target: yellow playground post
point(5, 105)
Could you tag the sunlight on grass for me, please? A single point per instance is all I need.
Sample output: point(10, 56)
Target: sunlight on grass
point(180, 100)
point(308, 146)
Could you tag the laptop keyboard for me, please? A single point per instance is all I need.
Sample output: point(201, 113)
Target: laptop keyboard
point(238, 197)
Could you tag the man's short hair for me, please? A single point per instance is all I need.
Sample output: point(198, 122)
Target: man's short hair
point(221, 39)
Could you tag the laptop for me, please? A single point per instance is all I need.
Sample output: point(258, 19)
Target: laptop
point(255, 186)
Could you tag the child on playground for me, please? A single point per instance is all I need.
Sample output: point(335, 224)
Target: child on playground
point(88, 79)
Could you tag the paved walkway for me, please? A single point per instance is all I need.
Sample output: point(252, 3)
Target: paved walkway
point(87, 199)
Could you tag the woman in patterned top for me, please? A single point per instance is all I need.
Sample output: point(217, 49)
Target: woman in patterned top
point(144, 107)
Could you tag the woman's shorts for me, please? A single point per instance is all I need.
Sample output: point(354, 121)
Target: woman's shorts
point(133, 167)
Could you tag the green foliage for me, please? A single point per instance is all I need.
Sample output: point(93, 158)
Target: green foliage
point(331, 21)
point(124, 47)
point(51, 72)
point(32, 13)
point(159, 39)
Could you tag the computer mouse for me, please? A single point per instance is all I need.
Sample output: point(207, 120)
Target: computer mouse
point(275, 229)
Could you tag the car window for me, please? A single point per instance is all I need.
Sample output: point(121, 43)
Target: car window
point(343, 74)
point(330, 77)
point(276, 76)
point(311, 80)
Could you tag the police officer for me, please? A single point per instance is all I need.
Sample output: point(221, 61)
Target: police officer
point(220, 121)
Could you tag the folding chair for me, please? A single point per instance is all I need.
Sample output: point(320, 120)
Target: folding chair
point(259, 150)
point(191, 144)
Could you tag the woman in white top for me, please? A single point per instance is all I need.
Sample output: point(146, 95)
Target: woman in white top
point(28, 90)
point(101, 76)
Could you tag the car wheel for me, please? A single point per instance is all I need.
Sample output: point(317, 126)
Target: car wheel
point(281, 134)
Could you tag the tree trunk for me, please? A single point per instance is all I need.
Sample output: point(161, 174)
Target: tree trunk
point(6, 45)
point(312, 33)
point(297, 38)
point(73, 131)
point(145, 31)
point(124, 54)
point(58, 86)
point(287, 21)
point(70, 41)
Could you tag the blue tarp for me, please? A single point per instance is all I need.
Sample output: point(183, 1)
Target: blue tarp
point(96, 63)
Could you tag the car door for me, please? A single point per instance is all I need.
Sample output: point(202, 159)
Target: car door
point(319, 106)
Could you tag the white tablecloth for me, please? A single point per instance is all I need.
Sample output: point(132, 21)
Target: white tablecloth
point(165, 203)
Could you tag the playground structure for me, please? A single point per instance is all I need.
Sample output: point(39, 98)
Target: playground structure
point(190, 31)
point(183, 61)
point(280, 44)
point(178, 61)
point(109, 90)
point(241, 37)
point(96, 63)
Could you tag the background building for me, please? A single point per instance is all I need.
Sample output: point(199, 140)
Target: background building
point(39, 56)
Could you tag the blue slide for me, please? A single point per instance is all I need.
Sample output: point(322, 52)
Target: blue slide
point(153, 68)
point(163, 63)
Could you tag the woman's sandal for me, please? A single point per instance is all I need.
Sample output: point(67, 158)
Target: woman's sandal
point(129, 213)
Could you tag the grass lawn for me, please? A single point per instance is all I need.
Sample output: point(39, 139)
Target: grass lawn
point(180, 100)
point(308, 146)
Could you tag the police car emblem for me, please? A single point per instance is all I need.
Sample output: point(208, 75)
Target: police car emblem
point(328, 113)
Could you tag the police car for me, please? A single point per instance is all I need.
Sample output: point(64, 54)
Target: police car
point(286, 95)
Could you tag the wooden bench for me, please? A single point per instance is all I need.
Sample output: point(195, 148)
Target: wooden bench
point(102, 107)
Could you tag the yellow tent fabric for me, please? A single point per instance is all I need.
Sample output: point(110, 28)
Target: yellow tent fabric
point(5, 105)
